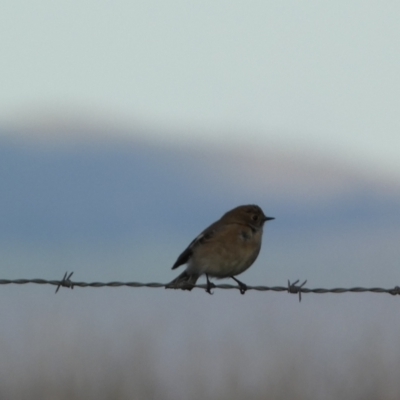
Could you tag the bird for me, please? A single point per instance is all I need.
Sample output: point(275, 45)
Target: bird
point(225, 249)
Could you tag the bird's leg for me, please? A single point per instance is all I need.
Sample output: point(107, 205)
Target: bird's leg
point(242, 286)
point(210, 285)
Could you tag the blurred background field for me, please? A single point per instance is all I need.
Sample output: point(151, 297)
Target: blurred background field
point(126, 128)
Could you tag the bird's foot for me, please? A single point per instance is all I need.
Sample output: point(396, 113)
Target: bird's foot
point(210, 285)
point(242, 286)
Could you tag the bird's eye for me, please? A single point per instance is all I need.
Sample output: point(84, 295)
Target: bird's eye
point(254, 217)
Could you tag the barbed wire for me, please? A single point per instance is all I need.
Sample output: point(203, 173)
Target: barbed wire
point(292, 288)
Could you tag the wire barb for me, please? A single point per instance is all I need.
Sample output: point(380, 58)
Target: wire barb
point(395, 291)
point(292, 288)
point(65, 282)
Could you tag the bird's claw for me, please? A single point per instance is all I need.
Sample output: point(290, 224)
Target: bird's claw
point(210, 285)
point(242, 288)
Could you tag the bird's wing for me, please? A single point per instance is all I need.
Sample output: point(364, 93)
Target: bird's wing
point(204, 236)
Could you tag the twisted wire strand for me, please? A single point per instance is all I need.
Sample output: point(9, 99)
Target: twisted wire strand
point(292, 288)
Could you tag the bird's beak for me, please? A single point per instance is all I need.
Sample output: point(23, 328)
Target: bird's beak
point(268, 218)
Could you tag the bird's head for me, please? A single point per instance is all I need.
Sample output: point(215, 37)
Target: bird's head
point(251, 215)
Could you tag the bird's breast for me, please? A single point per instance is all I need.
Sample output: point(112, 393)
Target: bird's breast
point(229, 253)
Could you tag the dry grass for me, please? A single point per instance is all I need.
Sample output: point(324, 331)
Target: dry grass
point(138, 373)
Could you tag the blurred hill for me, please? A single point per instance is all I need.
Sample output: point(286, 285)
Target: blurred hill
point(104, 188)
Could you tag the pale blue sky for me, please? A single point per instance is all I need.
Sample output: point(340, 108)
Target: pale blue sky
point(295, 75)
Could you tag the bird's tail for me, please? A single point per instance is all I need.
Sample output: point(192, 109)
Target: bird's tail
point(183, 281)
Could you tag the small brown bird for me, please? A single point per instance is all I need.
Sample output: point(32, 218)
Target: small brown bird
point(225, 249)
